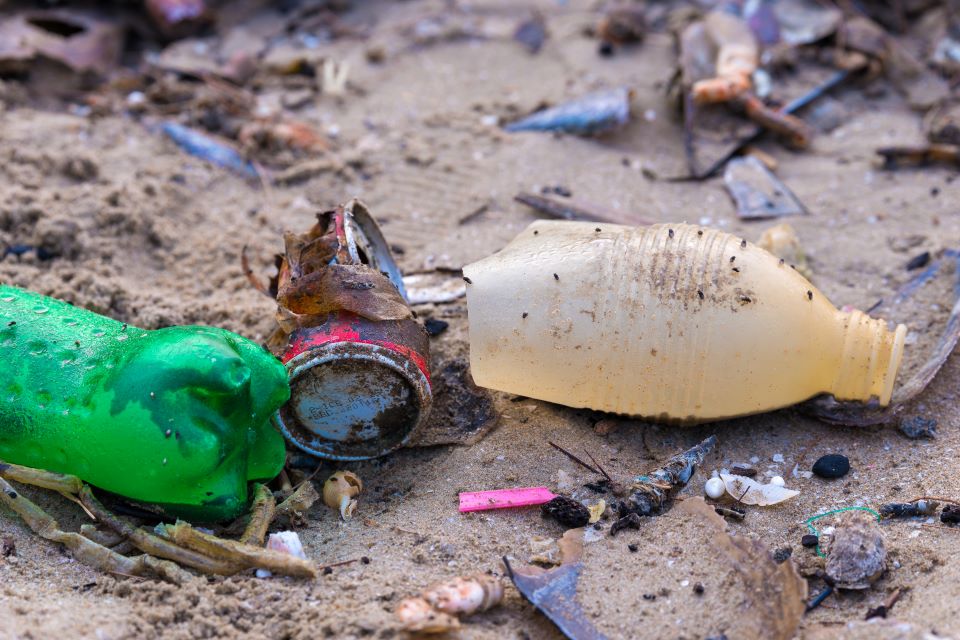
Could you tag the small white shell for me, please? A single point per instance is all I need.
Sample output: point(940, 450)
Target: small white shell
point(778, 480)
point(340, 491)
point(750, 491)
point(287, 542)
point(416, 615)
point(465, 595)
point(714, 488)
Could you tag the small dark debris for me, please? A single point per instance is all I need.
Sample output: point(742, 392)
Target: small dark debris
point(598, 526)
point(524, 315)
point(904, 509)
point(919, 261)
point(700, 294)
point(934, 192)
point(743, 244)
point(567, 512)
point(468, 280)
point(365, 560)
point(327, 571)
point(629, 521)
point(809, 293)
point(744, 470)
point(650, 596)
point(633, 547)
point(531, 33)
point(782, 554)
point(398, 249)
point(919, 427)
point(435, 327)
point(670, 232)
point(19, 250)
point(556, 277)
point(559, 190)
point(698, 588)
point(950, 514)
point(831, 466)
point(809, 540)
point(600, 486)
point(7, 547)
point(605, 49)
point(731, 512)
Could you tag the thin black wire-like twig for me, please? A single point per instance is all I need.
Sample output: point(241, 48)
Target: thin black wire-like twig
point(602, 470)
point(574, 458)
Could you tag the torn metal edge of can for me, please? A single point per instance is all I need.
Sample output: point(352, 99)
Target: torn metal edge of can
point(377, 425)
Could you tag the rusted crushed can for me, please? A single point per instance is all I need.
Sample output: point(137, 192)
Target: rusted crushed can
point(357, 359)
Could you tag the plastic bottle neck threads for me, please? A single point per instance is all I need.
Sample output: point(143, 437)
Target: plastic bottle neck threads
point(870, 358)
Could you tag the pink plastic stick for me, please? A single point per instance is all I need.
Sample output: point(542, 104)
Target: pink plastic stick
point(504, 498)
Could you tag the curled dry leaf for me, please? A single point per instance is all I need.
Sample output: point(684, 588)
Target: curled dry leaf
point(340, 492)
point(749, 491)
point(772, 595)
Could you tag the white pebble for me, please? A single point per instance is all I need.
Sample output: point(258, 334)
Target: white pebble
point(777, 480)
point(778, 457)
point(714, 488)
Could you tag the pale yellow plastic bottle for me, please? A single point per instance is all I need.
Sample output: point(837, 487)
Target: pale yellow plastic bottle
point(676, 323)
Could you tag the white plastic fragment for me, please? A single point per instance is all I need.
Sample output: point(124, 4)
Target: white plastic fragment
point(287, 542)
point(751, 492)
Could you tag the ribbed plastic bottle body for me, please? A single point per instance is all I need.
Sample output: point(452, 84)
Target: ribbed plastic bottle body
point(672, 322)
point(177, 417)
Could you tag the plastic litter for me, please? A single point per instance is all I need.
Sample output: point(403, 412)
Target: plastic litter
point(708, 325)
point(177, 418)
point(591, 114)
point(504, 498)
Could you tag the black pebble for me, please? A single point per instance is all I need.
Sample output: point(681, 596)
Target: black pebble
point(633, 548)
point(832, 465)
point(809, 540)
point(435, 327)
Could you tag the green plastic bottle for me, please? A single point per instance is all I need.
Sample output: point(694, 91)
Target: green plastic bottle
point(176, 418)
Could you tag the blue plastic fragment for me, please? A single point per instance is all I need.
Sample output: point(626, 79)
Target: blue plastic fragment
point(206, 148)
point(591, 114)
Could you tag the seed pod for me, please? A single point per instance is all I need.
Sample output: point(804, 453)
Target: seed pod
point(416, 615)
point(858, 554)
point(466, 595)
point(567, 512)
point(340, 491)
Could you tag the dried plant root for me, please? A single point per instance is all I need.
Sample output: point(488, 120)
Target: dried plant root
point(231, 551)
point(84, 549)
point(155, 545)
point(261, 515)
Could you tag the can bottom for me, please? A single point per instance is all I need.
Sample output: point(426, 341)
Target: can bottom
point(353, 401)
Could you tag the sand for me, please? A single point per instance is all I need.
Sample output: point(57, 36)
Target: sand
point(151, 236)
